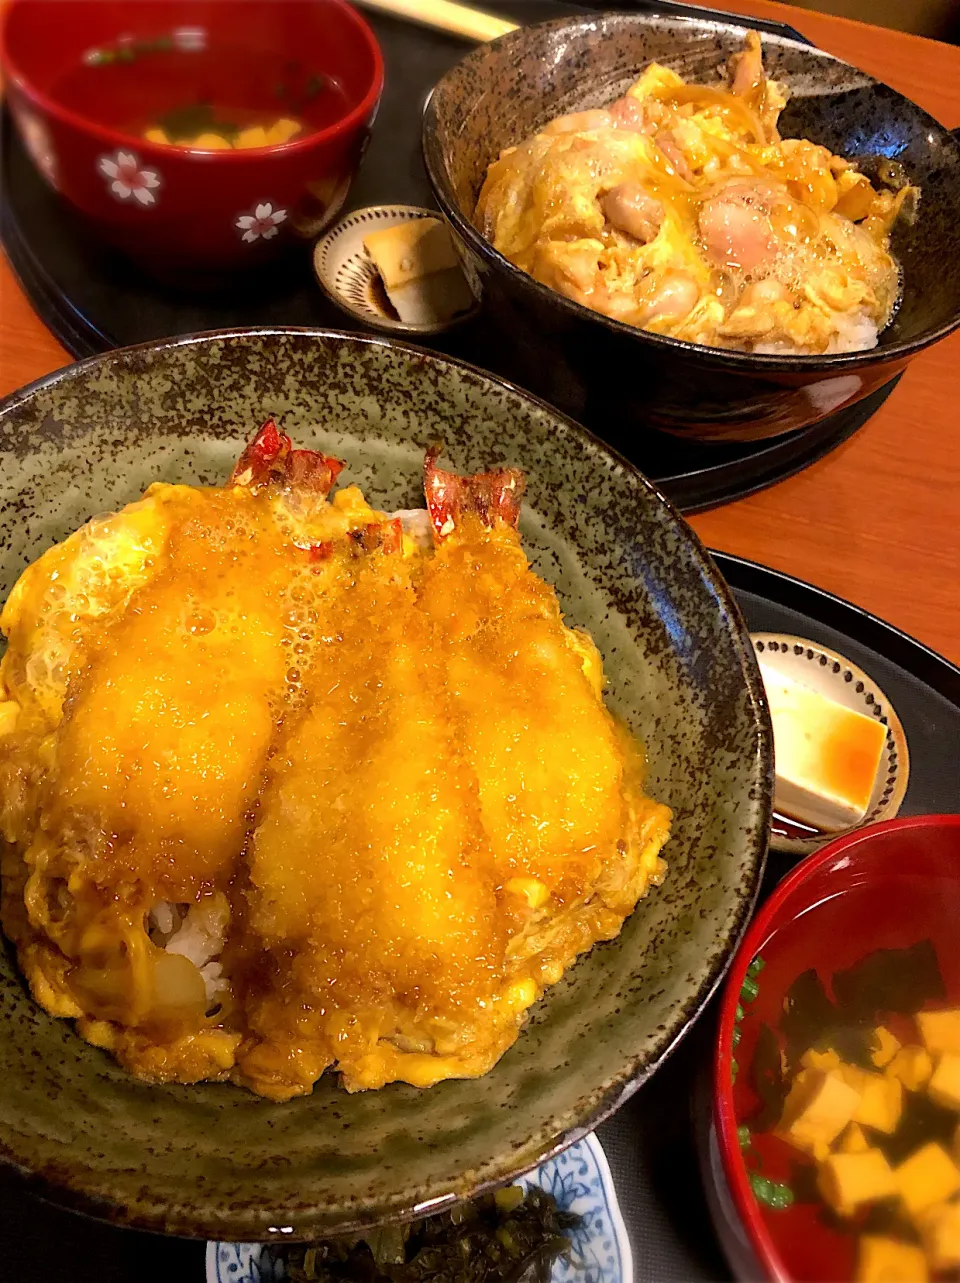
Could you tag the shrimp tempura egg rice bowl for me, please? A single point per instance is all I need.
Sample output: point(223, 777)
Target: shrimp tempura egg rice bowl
point(288, 784)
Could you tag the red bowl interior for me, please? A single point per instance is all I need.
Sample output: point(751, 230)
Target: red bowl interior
point(887, 886)
point(43, 40)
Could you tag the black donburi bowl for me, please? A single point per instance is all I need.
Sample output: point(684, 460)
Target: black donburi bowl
point(607, 373)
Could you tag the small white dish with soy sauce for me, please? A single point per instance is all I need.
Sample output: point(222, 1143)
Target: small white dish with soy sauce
point(841, 753)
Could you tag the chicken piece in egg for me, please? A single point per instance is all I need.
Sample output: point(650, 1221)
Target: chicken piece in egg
point(679, 209)
point(287, 787)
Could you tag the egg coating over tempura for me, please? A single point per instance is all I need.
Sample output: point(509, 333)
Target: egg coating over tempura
point(287, 785)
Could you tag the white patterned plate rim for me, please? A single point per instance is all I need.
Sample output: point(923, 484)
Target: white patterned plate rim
point(580, 1181)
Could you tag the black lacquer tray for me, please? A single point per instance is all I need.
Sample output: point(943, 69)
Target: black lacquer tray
point(92, 300)
point(651, 1143)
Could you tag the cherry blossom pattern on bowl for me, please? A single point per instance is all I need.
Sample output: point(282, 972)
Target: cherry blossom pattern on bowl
point(578, 1179)
point(262, 223)
point(126, 180)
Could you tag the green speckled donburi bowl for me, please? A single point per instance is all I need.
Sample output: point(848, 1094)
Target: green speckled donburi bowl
point(214, 1161)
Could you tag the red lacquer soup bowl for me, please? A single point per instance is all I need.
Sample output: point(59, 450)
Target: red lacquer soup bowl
point(872, 920)
point(87, 79)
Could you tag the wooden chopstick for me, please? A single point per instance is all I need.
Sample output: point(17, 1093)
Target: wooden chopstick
point(445, 15)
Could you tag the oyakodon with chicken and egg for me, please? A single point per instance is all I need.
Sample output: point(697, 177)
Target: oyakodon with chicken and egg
point(679, 209)
point(287, 783)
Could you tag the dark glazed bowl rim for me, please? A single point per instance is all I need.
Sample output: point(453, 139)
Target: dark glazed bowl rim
point(110, 137)
point(724, 358)
point(633, 1075)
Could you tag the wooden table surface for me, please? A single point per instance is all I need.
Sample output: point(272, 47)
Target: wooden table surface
point(878, 520)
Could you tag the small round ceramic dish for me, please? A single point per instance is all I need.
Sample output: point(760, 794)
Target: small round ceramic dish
point(347, 275)
point(579, 1180)
point(836, 678)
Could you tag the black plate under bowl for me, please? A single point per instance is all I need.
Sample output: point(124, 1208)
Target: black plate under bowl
point(92, 300)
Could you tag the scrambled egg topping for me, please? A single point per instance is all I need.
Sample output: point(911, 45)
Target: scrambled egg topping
point(679, 209)
point(286, 787)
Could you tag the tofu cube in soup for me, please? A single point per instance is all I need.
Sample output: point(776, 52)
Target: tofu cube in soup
point(886, 1047)
point(816, 1111)
point(927, 1177)
point(880, 1102)
point(853, 1140)
point(940, 1232)
point(851, 1181)
point(940, 1031)
point(944, 1085)
point(888, 1260)
point(911, 1066)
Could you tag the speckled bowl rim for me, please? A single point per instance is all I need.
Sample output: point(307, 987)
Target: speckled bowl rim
point(603, 1102)
point(759, 363)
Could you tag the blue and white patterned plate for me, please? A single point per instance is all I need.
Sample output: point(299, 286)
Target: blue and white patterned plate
point(580, 1181)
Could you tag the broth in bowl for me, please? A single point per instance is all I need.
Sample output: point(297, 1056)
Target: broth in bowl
point(186, 90)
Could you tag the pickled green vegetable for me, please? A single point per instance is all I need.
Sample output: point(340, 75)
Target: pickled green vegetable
point(507, 1237)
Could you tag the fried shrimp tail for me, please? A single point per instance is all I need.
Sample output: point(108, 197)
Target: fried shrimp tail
point(270, 458)
point(265, 455)
point(492, 496)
